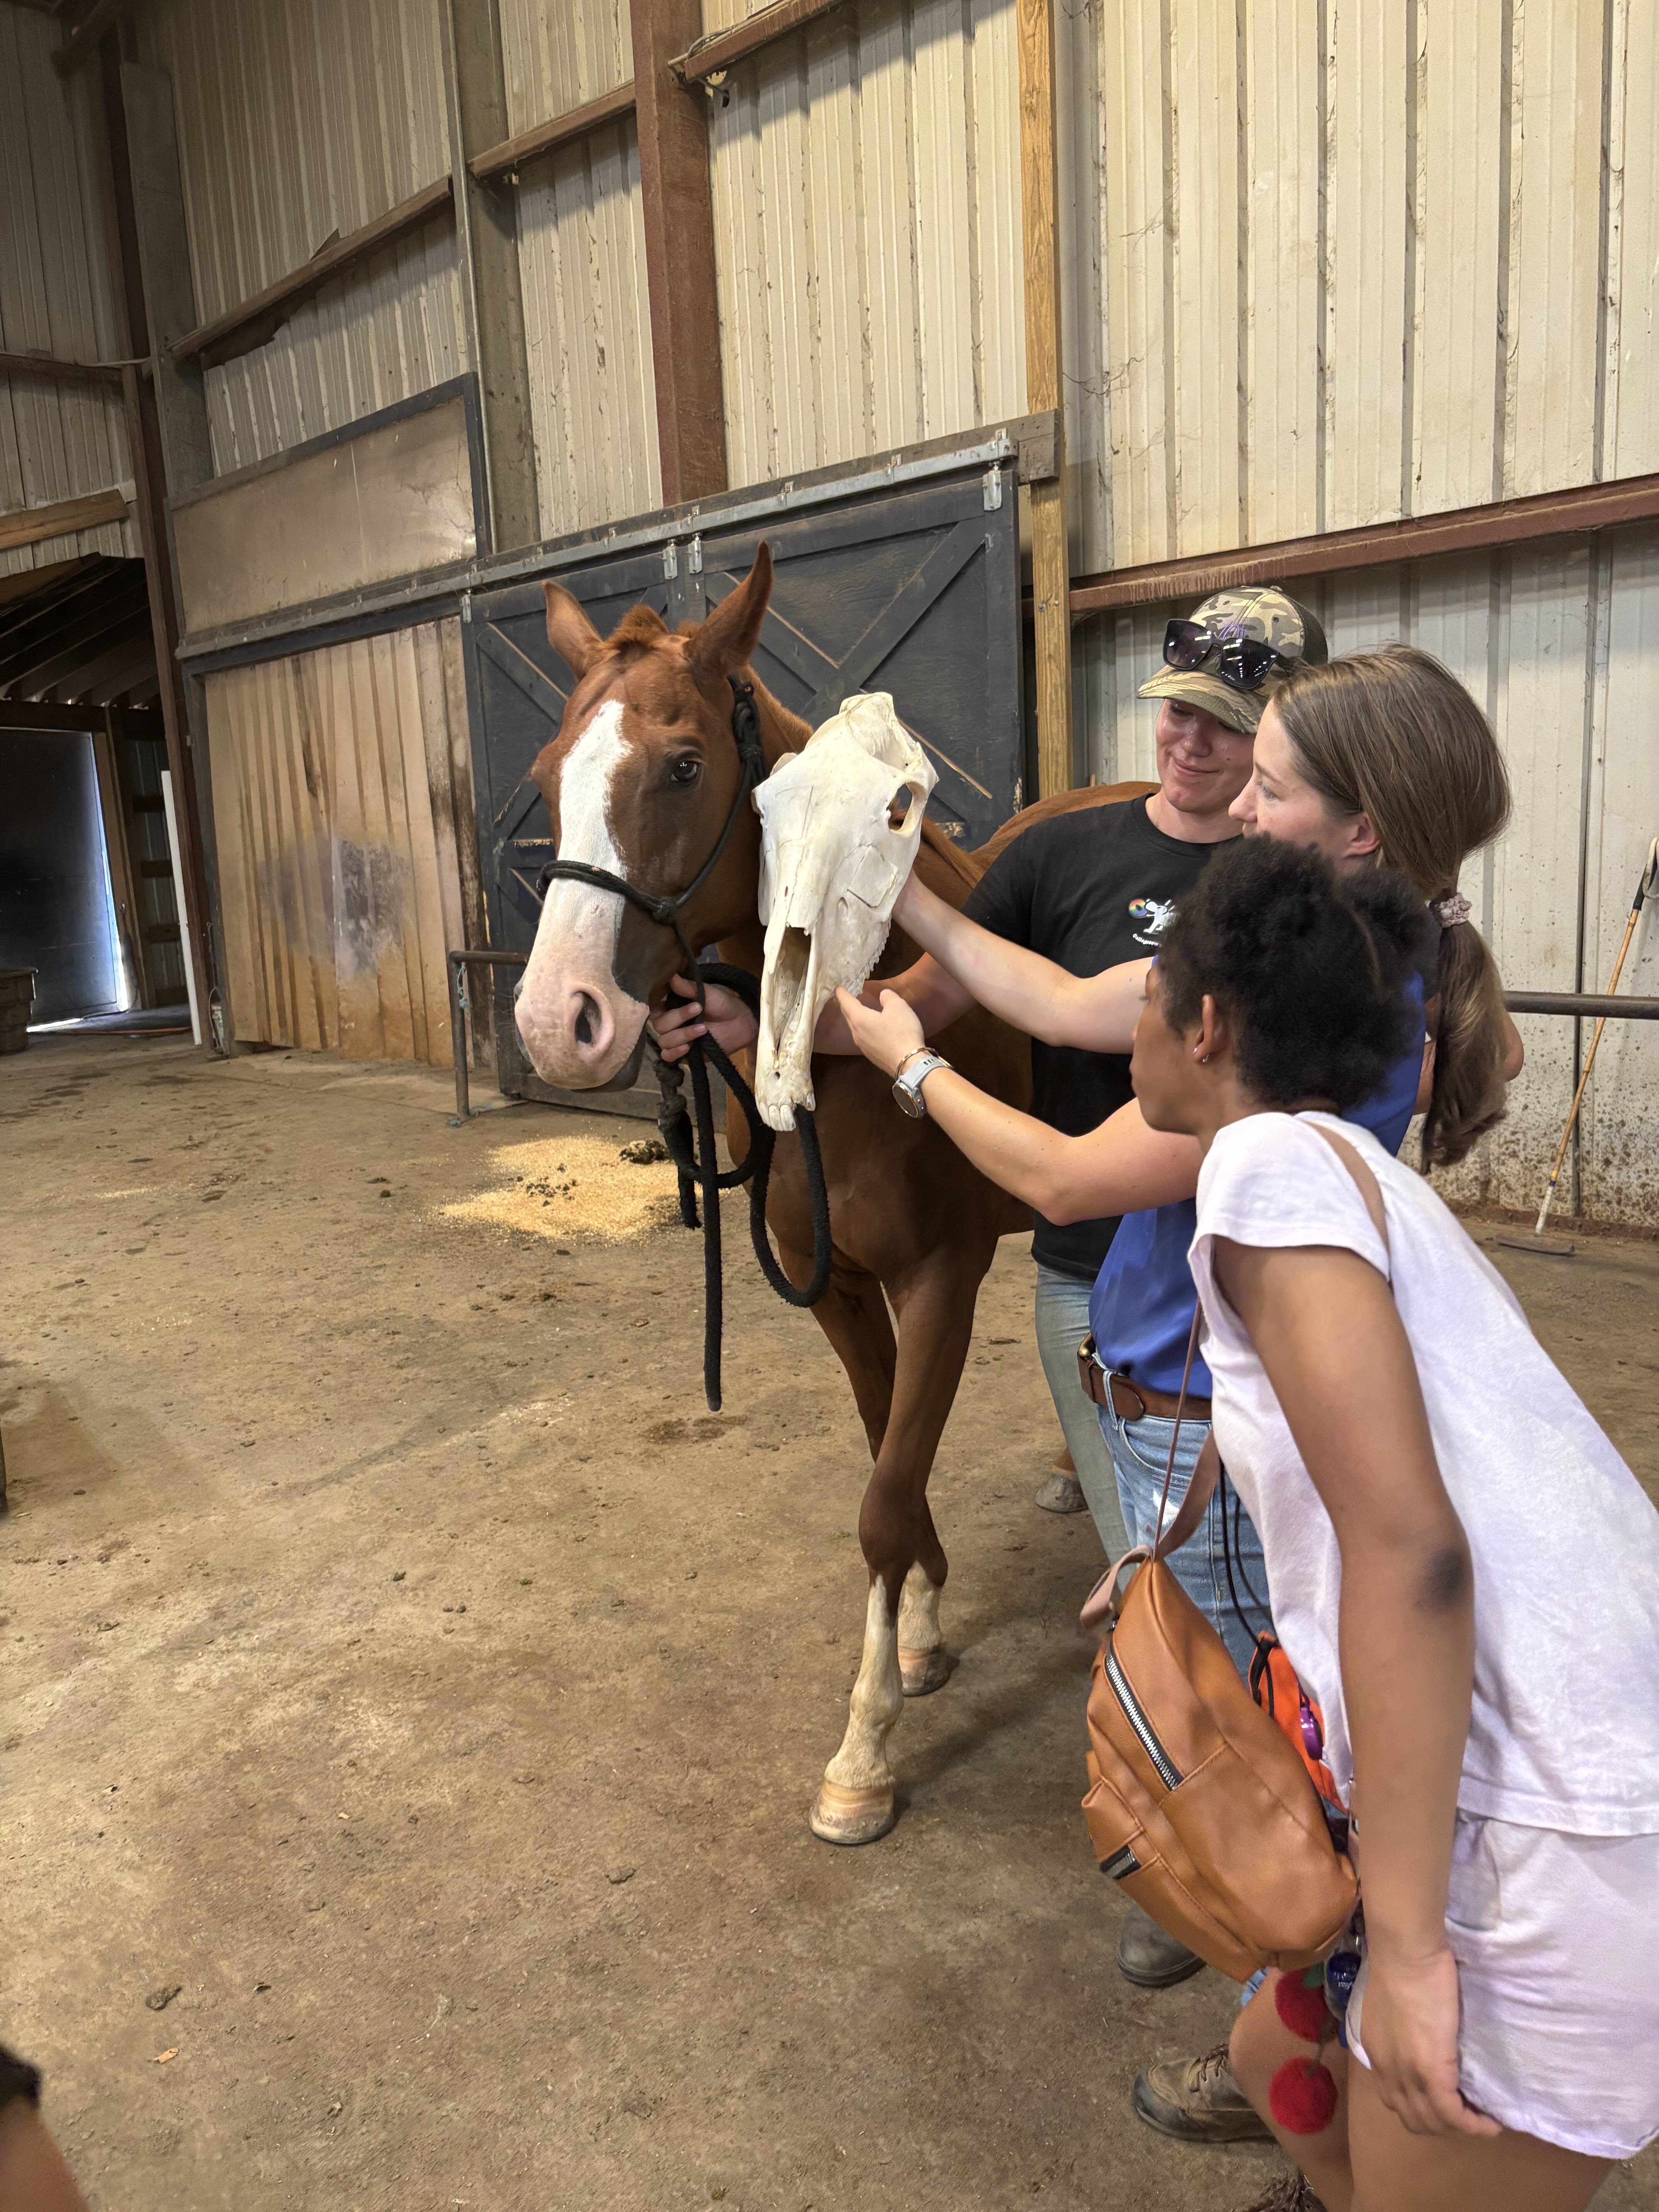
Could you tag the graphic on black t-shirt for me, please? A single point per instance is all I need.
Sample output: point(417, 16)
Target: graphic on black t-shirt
point(1086, 889)
point(1154, 917)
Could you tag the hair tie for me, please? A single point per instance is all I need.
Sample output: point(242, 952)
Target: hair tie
point(1450, 910)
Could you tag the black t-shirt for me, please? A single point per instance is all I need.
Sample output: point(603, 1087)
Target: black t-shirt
point(1086, 890)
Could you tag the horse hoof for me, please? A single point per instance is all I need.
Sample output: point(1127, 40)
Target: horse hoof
point(1062, 1493)
point(852, 1816)
point(923, 1672)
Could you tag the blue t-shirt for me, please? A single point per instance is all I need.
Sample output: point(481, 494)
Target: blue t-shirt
point(1141, 1310)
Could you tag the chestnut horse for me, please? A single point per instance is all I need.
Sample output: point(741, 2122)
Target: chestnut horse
point(639, 783)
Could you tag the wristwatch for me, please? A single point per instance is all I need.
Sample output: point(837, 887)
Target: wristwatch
point(914, 1071)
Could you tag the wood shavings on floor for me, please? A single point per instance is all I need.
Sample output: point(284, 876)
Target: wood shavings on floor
point(568, 1187)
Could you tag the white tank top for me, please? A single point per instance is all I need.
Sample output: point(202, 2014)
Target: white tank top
point(1564, 1729)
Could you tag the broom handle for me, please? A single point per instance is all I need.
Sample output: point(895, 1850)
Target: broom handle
point(1650, 870)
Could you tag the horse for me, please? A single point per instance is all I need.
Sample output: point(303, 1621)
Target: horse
point(643, 783)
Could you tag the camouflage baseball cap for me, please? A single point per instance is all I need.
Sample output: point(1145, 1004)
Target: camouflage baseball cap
point(1262, 616)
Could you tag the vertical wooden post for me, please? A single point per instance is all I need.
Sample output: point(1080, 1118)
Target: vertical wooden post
point(1050, 561)
point(679, 252)
point(486, 224)
point(168, 396)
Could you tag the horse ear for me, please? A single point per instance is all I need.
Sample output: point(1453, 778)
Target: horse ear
point(727, 638)
point(569, 632)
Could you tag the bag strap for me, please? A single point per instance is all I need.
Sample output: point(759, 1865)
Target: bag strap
point(1205, 1474)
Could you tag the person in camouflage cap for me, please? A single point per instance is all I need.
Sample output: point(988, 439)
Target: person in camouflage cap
point(1231, 655)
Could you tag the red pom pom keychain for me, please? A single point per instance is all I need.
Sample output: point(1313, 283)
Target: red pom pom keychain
point(1302, 2097)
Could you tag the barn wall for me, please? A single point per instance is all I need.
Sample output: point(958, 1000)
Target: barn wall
point(56, 441)
point(1333, 264)
point(1560, 645)
point(342, 807)
point(299, 119)
point(581, 259)
point(866, 177)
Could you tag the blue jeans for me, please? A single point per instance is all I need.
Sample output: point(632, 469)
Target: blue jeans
point(1139, 1450)
point(1062, 1322)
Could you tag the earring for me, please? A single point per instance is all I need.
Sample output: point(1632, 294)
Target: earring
point(1202, 1058)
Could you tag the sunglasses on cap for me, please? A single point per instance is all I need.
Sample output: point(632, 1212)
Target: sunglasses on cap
point(1240, 662)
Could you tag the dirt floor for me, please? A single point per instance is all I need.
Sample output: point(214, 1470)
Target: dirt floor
point(402, 1667)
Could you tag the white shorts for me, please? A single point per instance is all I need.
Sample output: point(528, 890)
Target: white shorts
point(1557, 1943)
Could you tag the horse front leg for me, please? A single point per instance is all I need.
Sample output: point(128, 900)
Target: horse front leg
point(902, 1549)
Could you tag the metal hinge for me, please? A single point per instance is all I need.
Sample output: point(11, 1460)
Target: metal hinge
point(694, 559)
point(671, 559)
point(467, 606)
point(992, 485)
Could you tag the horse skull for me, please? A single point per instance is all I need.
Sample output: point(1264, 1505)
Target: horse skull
point(840, 825)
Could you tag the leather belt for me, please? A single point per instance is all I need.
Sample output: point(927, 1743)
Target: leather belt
point(1131, 1401)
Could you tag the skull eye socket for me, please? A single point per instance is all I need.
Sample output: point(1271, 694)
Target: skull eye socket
point(898, 807)
point(685, 771)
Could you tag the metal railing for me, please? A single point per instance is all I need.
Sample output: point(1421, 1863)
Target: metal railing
point(460, 1006)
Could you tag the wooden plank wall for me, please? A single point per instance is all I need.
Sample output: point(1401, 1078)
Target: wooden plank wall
point(342, 802)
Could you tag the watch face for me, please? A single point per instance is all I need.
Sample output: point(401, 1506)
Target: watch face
point(910, 1102)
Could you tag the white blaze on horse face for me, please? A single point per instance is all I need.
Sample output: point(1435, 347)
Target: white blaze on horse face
point(833, 859)
point(577, 1026)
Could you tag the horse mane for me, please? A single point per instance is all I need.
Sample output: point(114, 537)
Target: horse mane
point(639, 628)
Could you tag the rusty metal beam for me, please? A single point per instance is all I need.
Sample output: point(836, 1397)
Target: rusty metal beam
point(512, 155)
point(252, 321)
point(57, 371)
point(1379, 545)
point(716, 53)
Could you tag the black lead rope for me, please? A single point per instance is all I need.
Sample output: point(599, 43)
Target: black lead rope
point(699, 1168)
point(700, 1165)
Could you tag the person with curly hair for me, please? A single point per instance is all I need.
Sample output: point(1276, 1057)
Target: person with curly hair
point(1438, 1511)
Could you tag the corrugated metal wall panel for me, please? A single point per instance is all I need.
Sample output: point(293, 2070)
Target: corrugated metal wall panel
point(1620, 1151)
point(866, 191)
point(342, 807)
point(581, 259)
point(297, 121)
point(56, 441)
point(1559, 645)
point(1353, 261)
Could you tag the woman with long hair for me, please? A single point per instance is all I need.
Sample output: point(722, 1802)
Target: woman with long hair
point(1465, 1577)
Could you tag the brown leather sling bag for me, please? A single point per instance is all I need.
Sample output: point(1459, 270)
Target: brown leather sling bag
point(1198, 1802)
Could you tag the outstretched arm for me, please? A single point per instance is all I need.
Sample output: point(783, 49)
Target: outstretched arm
point(1096, 1013)
point(1324, 1325)
point(705, 1009)
point(1122, 1167)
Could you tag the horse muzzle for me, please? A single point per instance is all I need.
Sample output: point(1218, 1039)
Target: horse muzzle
point(578, 1034)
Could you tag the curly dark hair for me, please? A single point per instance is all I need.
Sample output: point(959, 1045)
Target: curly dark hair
point(1308, 967)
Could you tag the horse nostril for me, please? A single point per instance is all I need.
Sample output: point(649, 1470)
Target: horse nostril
point(584, 1021)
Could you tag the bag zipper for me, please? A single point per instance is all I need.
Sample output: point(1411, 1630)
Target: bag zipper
point(1168, 1772)
point(1123, 1861)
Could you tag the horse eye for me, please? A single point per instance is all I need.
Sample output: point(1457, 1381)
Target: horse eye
point(685, 770)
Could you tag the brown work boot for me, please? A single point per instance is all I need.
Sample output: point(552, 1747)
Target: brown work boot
point(1149, 1957)
point(1198, 2100)
point(1286, 2192)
